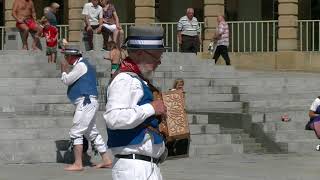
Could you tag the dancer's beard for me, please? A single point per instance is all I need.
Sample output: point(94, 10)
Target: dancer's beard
point(146, 73)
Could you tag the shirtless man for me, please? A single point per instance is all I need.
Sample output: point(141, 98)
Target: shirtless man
point(24, 13)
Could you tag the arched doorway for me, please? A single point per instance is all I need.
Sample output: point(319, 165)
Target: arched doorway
point(62, 15)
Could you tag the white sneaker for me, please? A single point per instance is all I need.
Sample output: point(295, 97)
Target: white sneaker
point(318, 147)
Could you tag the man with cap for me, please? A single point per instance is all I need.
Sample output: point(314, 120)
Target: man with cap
point(82, 92)
point(131, 109)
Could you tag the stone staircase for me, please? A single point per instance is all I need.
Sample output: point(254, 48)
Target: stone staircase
point(229, 111)
point(35, 115)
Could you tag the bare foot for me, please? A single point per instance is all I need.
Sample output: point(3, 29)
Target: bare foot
point(73, 167)
point(103, 165)
point(25, 47)
point(36, 49)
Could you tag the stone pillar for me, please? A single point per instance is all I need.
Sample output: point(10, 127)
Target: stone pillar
point(9, 20)
point(75, 20)
point(212, 9)
point(288, 25)
point(144, 12)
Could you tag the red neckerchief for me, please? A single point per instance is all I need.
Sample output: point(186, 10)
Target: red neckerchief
point(127, 65)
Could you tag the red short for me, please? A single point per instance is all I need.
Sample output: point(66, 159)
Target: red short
point(30, 22)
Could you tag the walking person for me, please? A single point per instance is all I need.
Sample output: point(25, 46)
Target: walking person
point(189, 32)
point(132, 126)
point(222, 38)
point(82, 92)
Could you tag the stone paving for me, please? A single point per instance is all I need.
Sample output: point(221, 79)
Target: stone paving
point(226, 167)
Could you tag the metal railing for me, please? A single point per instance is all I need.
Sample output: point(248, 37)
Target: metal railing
point(253, 36)
point(63, 33)
point(309, 38)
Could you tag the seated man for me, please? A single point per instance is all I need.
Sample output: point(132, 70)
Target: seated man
point(314, 122)
point(24, 13)
point(93, 19)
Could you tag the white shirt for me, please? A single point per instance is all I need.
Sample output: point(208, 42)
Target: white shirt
point(77, 71)
point(122, 112)
point(94, 13)
point(188, 27)
point(315, 105)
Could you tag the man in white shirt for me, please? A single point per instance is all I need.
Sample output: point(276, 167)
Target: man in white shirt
point(189, 32)
point(93, 14)
point(82, 92)
point(132, 125)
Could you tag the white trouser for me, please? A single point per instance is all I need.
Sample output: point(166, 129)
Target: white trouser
point(111, 27)
point(134, 169)
point(84, 123)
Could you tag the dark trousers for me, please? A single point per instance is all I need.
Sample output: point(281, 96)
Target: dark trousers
point(106, 33)
point(190, 44)
point(222, 50)
point(90, 35)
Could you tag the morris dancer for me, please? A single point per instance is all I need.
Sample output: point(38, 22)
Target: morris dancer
point(82, 92)
point(133, 130)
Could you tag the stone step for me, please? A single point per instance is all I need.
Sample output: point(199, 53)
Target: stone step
point(23, 134)
point(197, 118)
point(285, 136)
point(33, 99)
point(275, 116)
point(283, 126)
point(299, 147)
point(281, 103)
point(209, 139)
point(217, 149)
point(205, 106)
point(233, 131)
point(204, 129)
point(277, 96)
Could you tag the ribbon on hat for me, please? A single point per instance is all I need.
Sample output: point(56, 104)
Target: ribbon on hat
point(145, 42)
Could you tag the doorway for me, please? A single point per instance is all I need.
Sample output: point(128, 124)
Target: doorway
point(62, 14)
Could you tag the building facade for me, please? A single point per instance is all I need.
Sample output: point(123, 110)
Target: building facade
point(281, 25)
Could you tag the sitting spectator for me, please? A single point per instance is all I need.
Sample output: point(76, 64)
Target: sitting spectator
point(178, 84)
point(110, 22)
point(188, 32)
point(93, 19)
point(114, 55)
point(50, 13)
point(24, 13)
point(314, 122)
point(50, 32)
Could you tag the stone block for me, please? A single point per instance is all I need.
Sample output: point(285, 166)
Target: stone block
point(144, 21)
point(210, 22)
point(76, 3)
point(213, 10)
point(209, 33)
point(144, 12)
point(288, 9)
point(288, 33)
point(75, 14)
point(213, 2)
point(76, 24)
point(10, 24)
point(287, 44)
point(8, 4)
point(288, 1)
point(288, 21)
point(74, 36)
point(145, 3)
point(8, 15)
point(289, 60)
